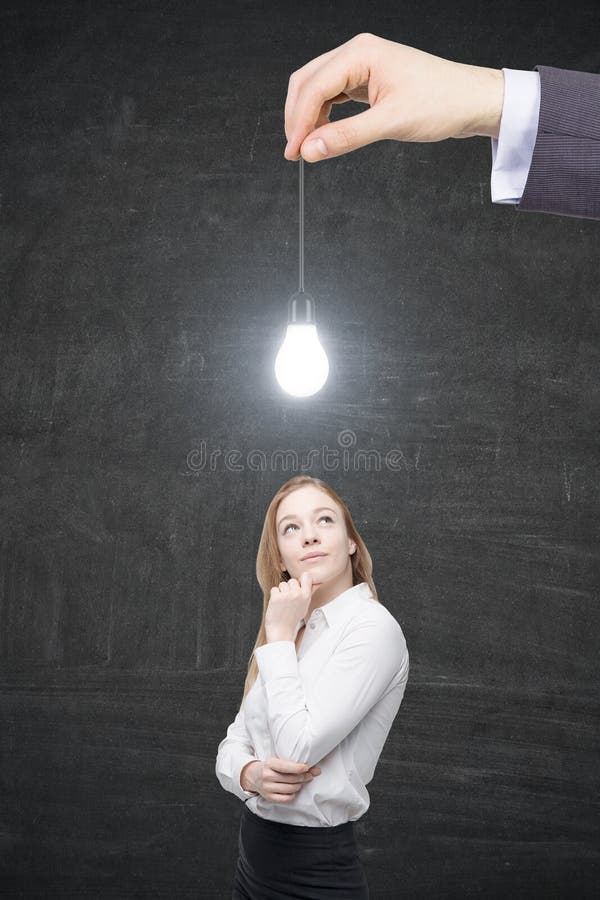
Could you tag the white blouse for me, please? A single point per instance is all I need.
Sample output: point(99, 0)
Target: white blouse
point(332, 703)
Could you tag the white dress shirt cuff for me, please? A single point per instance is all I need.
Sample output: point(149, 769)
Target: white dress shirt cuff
point(512, 152)
point(239, 758)
point(277, 659)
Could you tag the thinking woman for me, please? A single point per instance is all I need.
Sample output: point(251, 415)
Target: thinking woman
point(325, 681)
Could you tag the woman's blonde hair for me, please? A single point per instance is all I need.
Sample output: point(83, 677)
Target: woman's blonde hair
point(268, 570)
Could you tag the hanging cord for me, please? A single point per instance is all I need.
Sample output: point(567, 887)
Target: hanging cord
point(301, 217)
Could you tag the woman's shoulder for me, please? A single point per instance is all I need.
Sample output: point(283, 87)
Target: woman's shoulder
point(370, 610)
point(374, 628)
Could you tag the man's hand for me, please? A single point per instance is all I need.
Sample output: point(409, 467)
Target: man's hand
point(277, 780)
point(413, 96)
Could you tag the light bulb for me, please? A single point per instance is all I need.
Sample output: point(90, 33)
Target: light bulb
point(301, 366)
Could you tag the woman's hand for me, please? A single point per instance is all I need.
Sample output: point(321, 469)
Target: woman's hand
point(288, 604)
point(277, 780)
point(413, 96)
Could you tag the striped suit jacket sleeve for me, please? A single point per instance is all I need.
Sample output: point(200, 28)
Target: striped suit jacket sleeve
point(564, 176)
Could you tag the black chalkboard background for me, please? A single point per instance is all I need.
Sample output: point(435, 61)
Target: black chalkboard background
point(149, 245)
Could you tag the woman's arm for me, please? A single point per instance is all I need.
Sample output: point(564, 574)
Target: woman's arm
point(277, 780)
point(246, 779)
point(306, 723)
point(233, 754)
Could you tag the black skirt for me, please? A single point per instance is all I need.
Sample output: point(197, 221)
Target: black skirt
point(277, 861)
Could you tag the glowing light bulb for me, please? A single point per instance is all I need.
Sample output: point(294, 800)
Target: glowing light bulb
point(301, 366)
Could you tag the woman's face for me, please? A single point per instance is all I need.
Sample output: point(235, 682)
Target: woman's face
point(313, 523)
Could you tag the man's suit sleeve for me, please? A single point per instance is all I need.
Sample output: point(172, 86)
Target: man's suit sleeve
point(564, 176)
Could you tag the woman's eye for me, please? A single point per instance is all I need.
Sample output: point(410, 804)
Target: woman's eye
point(291, 525)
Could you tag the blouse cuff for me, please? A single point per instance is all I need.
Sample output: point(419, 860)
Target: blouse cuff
point(276, 659)
point(238, 760)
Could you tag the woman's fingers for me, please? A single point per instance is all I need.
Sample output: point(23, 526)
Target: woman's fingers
point(283, 778)
point(306, 585)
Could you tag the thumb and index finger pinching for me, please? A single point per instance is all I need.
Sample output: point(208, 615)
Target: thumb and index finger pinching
point(309, 100)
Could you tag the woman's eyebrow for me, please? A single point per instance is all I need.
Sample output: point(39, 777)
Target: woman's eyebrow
point(318, 509)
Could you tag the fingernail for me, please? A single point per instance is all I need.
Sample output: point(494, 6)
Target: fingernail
point(317, 146)
point(294, 158)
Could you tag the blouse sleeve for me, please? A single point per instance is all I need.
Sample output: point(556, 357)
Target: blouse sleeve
point(306, 723)
point(234, 751)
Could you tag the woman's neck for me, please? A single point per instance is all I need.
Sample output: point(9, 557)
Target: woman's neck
point(328, 591)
